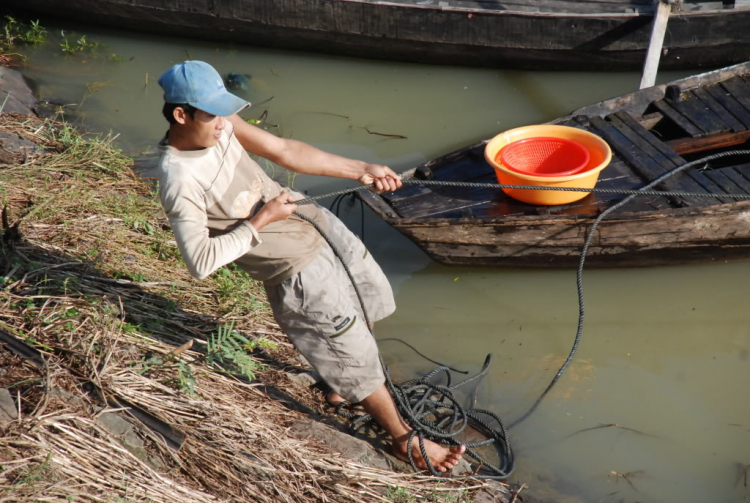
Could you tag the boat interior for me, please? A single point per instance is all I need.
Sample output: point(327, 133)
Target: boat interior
point(684, 125)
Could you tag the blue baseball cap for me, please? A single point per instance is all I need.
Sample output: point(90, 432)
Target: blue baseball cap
point(200, 85)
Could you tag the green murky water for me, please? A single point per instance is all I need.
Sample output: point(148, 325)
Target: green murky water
point(665, 352)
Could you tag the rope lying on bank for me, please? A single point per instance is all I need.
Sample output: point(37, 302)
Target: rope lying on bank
point(431, 409)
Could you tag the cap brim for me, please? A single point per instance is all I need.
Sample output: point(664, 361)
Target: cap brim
point(222, 105)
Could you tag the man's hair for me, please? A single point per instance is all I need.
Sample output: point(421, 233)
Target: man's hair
point(169, 108)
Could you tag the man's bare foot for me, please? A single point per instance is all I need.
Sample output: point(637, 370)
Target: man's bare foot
point(334, 399)
point(442, 457)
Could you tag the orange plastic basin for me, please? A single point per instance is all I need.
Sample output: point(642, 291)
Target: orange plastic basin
point(599, 157)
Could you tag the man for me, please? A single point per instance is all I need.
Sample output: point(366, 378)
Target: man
point(223, 208)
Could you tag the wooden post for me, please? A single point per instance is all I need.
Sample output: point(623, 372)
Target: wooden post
point(658, 30)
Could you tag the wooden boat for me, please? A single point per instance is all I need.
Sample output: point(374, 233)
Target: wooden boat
point(524, 34)
point(650, 132)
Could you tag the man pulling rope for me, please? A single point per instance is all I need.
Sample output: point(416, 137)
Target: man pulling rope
point(223, 209)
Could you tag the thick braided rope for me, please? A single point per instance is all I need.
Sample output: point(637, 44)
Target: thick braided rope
point(476, 185)
point(424, 428)
point(584, 252)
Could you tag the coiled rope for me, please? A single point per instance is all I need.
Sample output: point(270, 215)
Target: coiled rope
point(431, 409)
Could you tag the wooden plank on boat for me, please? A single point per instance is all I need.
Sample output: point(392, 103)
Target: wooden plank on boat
point(460, 199)
point(650, 120)
point(708, 142)
point(699, 114)
point(683, 122)
point(468, 165)
point(377, 203)
point(644, 140)
point(502, 208)
point(621, 171)
point(619, 175)
point(407, 192)
point(718, 109)
point(739, 89)
point(727, 185)
point(436, 200)
point(636, 126)
point(743, 170)
point(729, 102)
point(644, 165)
point(735, 173)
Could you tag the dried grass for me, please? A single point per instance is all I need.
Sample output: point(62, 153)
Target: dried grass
point(96, 284)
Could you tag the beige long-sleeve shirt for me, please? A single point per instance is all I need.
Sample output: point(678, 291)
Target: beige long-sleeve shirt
point(209, 195)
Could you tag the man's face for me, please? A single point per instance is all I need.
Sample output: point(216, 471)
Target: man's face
point(203, 130)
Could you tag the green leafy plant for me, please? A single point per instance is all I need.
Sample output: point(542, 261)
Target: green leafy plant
point(235, 288)
point(17, 33)
point(185, 380)
point(38, 344)
point(81, 45)
point(262, 343)
point(10, 32)
point(400, 495)
point(36, 34)
point(84, 44)
point(66, 46)
point(129, 328)
point(143, 226)
point(226, 349)
point(460, 496)
point(35, 473)
point(147, 365)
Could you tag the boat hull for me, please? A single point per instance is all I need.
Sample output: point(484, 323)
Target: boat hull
point(680, 236)
point(412, 31)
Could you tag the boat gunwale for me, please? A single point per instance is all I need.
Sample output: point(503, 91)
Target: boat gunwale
point(541, 219)
point(645, 12)
point(657, 92)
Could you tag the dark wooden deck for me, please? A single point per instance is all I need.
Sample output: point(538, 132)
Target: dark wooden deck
point(484, 226)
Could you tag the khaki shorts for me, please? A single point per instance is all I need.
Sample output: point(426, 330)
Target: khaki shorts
point(319, 311)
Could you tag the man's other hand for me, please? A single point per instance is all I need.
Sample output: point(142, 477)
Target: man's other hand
point(384, 178)
point(278, 208)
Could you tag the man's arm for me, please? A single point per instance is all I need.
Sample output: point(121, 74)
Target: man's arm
point(186, 210)
point(306, 159)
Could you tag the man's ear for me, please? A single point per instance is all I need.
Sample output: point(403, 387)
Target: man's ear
point(180, 115)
